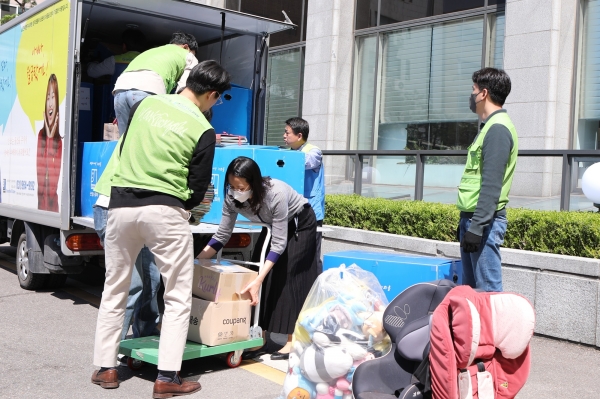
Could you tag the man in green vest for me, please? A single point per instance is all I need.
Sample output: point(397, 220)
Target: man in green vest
point(486, 181)
point(164, 169)
point(155, 71)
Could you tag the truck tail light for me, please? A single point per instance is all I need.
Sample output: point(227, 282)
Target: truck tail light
point(239, 240)
point(84, 242)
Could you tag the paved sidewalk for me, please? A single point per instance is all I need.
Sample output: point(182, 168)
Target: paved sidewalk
point(47, 339)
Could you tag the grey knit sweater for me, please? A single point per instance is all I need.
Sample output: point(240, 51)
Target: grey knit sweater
point(280, 205)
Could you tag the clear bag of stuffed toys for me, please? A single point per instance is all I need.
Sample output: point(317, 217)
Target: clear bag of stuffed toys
point(340, 326)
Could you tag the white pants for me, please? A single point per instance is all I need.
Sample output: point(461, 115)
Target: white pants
point(166, 232)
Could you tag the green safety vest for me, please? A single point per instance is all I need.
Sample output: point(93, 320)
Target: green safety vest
point(159, 145)
point(167, 61)
point(470, 183)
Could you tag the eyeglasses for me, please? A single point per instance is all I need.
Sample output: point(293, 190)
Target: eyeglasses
point(219, 99)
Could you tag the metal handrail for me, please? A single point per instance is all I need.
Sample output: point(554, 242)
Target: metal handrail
point(567, 167)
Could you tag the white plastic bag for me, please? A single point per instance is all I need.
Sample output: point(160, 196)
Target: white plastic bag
point(339, 327)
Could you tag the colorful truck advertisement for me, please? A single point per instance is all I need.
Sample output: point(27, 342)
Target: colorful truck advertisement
point(33, 83)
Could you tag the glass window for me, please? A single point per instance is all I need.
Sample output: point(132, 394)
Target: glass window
point(425, 86)
point(284, 92)
point(295, 9)
point(366, 13)
point(232, 5)
point(364, 93)
point(588, 126)
point(393, 11)
point(496, 40)
point(423, 81)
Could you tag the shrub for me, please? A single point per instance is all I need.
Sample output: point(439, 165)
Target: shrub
point(565, 233)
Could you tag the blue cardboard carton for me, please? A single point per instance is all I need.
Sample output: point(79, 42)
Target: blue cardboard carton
point(93, 162)
point(284, 165)
point(234, 116)
point(274, 162)
point(396, 272)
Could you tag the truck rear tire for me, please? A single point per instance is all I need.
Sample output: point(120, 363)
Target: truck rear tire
point(27, 279)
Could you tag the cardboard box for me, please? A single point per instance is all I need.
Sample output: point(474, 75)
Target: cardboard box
point(220, 282)
point(213, 323)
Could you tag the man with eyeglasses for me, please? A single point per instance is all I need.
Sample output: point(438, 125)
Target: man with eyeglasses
point(162, 168)
point(155, 71)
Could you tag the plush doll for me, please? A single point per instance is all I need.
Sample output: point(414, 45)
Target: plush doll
point(342, 384)
point(325, 391)
point(324, 364)
point(296, 386)
point(373, 325)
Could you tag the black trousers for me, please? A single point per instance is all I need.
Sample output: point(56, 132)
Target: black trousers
point(288, 283)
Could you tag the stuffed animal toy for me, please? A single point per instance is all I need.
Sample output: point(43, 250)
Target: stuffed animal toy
point(325, 391)
point(324, 364)
point(373, 325)
point(296, 386)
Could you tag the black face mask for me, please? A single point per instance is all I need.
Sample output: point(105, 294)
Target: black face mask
point(473, 103)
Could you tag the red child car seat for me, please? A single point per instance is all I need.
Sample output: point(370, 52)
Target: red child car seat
point(480, 345)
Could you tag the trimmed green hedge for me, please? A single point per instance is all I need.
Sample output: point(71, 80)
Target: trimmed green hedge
point(566, 233)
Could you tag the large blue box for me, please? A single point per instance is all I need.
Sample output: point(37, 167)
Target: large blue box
point(396, 272)
point(284, 165)
point(234, 116)
point(95, 157)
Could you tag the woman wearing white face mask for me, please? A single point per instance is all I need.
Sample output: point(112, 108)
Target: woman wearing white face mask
point(290, 268)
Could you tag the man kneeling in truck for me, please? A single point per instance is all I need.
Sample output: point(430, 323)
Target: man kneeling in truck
point(164, 169)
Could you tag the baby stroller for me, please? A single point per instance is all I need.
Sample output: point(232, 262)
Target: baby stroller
point(451, 343)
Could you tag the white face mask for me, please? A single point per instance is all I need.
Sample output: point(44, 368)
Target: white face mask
point(240, 196)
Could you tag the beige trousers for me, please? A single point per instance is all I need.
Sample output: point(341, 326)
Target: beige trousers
point(166, 232)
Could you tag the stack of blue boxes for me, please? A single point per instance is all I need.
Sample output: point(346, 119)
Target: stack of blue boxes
point(284, 165)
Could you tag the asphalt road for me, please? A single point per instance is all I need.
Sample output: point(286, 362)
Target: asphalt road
point(46, 343)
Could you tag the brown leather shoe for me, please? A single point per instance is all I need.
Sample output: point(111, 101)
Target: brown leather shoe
point(107, 379)
point(169, 389)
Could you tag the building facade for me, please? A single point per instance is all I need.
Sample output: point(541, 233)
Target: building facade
point(396, 74)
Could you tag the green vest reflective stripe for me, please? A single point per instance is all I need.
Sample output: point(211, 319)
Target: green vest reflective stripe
point(167, 61)
point(126, 58)
point(470, 183)
point(159, 145)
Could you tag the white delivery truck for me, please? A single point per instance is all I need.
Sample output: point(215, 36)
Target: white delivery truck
point(49, 108)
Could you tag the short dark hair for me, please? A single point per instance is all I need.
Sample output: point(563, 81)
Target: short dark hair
point(248, 169)
point(298, 126)
point(134, 40)
point(208, 76)
point(181, 38)
point(496, 81)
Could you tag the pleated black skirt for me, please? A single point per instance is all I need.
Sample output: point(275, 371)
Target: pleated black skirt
point(287, 285)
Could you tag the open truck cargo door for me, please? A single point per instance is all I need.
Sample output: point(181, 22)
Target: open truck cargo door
point(192, 15)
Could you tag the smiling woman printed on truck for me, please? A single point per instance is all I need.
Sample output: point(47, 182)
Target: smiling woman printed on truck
point(49, 151)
